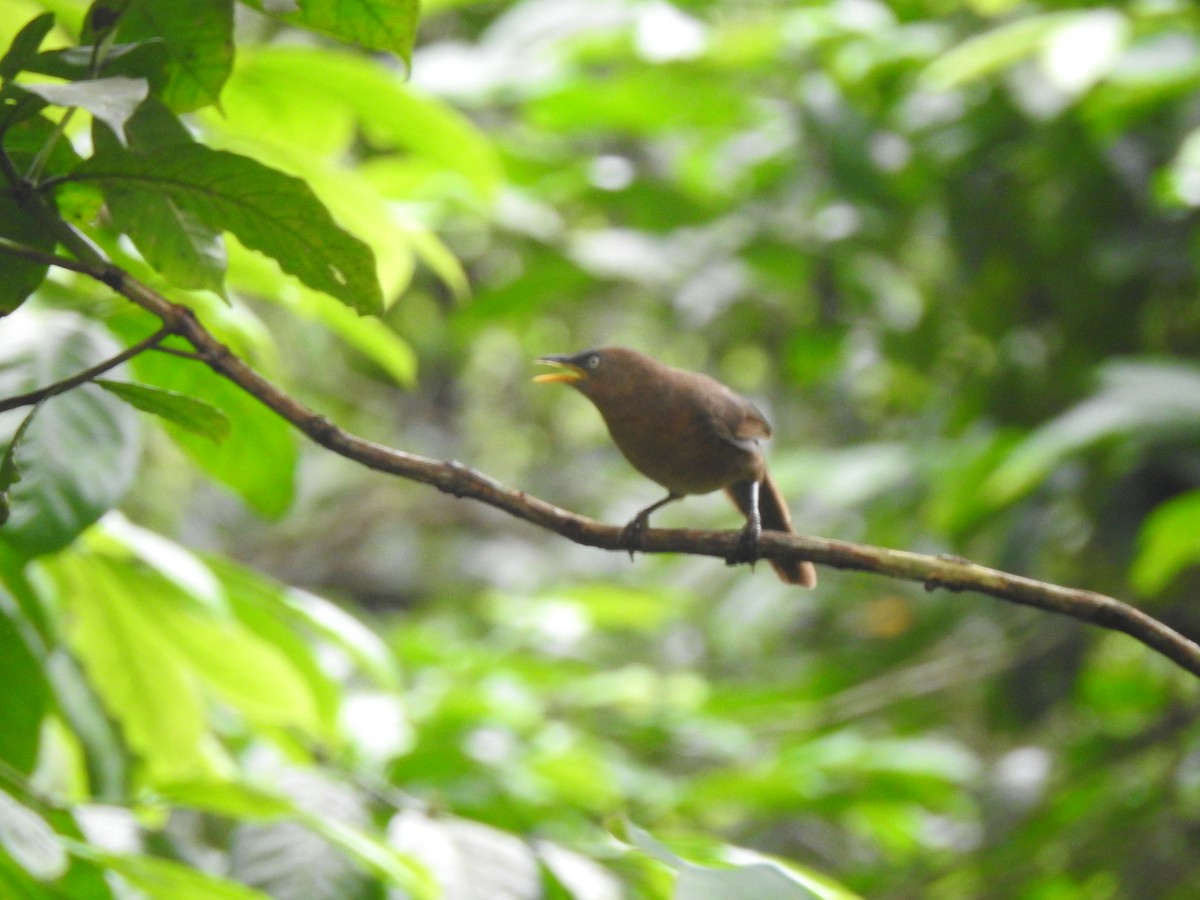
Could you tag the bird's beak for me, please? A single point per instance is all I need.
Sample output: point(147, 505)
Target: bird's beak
point(570, 372)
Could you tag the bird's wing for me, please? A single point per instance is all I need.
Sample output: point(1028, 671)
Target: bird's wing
point(736, 419)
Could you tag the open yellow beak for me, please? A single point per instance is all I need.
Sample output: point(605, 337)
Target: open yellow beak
point(570, 372)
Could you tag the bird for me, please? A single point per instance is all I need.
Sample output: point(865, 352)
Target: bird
point(690, 434)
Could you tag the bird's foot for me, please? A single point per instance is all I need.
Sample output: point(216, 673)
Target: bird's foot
point(631, 534)
point(746, 550)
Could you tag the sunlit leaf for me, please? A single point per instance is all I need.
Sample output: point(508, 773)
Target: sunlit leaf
point(262, 607)
point(137, 672)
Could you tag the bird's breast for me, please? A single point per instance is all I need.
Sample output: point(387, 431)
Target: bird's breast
point(676, 445)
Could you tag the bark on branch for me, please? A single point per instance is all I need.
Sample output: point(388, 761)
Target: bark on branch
point(948, 572)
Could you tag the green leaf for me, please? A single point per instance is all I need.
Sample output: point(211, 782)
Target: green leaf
point(1169, 543)
point(27, 139)
point(276, 214)
point(257, 459)
point(62, 489)
point(166, 878)
point(187, 412)
point(1137, 398)
point(25, 45)
point(261, 605)
point(111, 100)
point(198, 38)
point(26, 701)
point(389, 25)
point(187, 252)
point(249, 673)
point(374, 855)
point(29, 841)
point(139, 675)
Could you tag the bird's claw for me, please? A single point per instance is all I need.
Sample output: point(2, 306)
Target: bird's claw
point(631, 535)
point(746, 550)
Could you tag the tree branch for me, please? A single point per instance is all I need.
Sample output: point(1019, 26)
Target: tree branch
point(948, 572)
point(86, 375)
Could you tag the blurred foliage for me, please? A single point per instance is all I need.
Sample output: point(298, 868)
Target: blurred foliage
point(950, 248)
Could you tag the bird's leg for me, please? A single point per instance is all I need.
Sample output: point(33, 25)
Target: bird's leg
point(631, 536)
point(747, 545)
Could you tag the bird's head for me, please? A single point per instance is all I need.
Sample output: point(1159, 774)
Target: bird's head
point(601, 373)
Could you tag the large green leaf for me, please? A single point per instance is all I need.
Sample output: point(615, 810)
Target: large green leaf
point(262, 606)
point(198, 38)
point(183, 249)
point(389, 25)
point(257, 459)
point(246, 671)
point(144, 682)
point(189, 253)
point(78, 456)
point(276, 214)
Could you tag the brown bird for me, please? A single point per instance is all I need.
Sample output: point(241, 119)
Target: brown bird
point(689, 433)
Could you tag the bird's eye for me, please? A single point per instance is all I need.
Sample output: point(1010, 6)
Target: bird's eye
point(593, 361)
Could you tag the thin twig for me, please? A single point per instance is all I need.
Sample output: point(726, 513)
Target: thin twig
point(32, 254)
point(59, 387)
point(948, 572)
point(176, 351)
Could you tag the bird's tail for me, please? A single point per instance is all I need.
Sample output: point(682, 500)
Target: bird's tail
point(775, 517)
